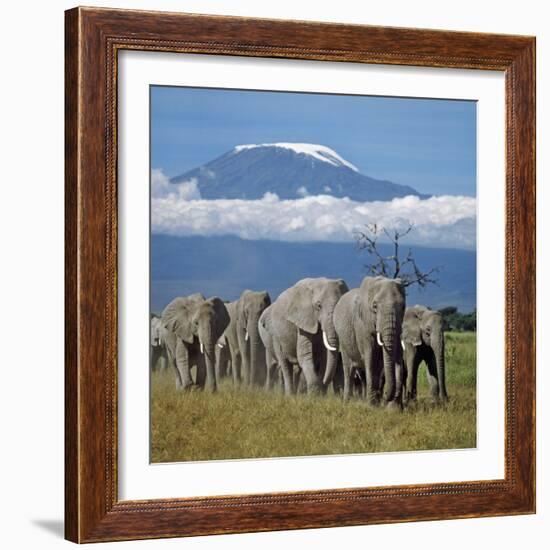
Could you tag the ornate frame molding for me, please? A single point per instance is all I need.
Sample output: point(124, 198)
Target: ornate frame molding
point(93, 38)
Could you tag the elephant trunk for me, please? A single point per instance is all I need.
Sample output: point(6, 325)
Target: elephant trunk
point(387, 335)
point(330, 338)
point(257, 352)
point(438, 347)
point(332, 363)
point(207, 347)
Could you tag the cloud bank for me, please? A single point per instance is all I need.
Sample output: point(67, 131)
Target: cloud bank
point(444, 221)
point(161, 188)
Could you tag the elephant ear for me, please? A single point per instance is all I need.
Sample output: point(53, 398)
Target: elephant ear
point(265, 318)
point(400, 286)
point(267, 297)
point(222, 315)
point(177, 318)
point(419, 311)
point(301, 312)
point(366, 291)
point(342, 286)
point(412, 330)
point(240, 309)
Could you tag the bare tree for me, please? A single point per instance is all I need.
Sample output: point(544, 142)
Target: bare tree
point(393, 266)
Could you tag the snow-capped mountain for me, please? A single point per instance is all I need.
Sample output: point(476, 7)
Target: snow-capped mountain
point(291, 170)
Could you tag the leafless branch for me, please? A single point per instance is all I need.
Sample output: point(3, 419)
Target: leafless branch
point(393, 266)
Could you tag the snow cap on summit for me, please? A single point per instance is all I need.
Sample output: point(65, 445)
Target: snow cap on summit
point(319, 152)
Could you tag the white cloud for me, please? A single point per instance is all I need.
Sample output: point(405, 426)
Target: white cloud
point(302, 191)
point(445, 221)
point(162, 188)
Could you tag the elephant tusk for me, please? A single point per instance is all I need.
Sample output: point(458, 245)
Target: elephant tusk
point(246, 336)
point(327, 345)
point(220, 345)
point(202, 347)
point(379, 340)
point(403, 345)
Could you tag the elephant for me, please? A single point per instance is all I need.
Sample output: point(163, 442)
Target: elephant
point(250, 307)
point(368, 323)
point(242, 335)
point(193, 326)
point(158, 347)
point(300, 323)
point(423, 340)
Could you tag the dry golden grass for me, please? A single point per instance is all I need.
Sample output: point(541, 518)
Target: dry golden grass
point(235, 423)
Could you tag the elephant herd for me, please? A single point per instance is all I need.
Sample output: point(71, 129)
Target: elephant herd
point(316, 334)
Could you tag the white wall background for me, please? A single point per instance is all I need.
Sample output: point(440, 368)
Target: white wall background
point(31, 218)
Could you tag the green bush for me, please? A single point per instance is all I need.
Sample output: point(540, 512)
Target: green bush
point(454, 320)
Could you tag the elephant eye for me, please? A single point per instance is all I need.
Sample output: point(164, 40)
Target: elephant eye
point(318, 305)
point(374, 306)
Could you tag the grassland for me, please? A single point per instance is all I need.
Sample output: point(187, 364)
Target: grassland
point(238, 423)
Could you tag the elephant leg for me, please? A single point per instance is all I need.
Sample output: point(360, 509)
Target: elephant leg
point(400, 376)
point(271, 369)
point(162, 359)
point(218, 367)
point(268, 381)
point(268, 374)
point(287, 377)
point(155, 354)
point(236, 367)
point(358, 385)
point(431, 373)
point(296, 372)
point(346, 361)
point(172, 361)
point(245, 358)
point(372, 376)
point(338, 379)
point(381, 383)
point(202, 374)
point(227, 363)
point(412, 376)
point(301, 386)
point(245, 372)
point(183, 372)
point(304, 352)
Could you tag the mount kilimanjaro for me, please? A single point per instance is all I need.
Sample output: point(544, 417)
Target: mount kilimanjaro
point(290, 170)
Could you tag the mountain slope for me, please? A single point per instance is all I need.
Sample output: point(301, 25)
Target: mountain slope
point(225, 266)
point(291, 170)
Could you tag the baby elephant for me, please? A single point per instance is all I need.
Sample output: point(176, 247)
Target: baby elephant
point(422, 339)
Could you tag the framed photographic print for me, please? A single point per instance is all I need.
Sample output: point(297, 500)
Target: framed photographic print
point(300, 275)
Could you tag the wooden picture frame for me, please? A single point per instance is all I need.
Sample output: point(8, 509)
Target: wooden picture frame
point(93, 511)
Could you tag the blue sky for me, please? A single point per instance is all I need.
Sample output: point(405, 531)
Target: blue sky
point(428, 144)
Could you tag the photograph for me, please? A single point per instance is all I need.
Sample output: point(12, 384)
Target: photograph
point(312, 274)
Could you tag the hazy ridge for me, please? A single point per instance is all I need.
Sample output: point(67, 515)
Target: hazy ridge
point(225, 266)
